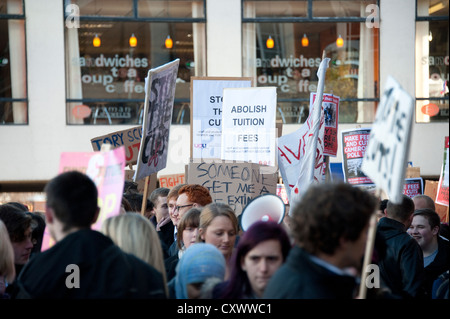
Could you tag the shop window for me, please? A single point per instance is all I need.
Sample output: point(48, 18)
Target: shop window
point(432, 64)
point(108, 57)
point(13, 71)
point(300, 37)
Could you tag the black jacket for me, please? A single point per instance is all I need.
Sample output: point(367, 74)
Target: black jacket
point(104, 271)
point(301, 278)
point(401, 267)
point(439, 265)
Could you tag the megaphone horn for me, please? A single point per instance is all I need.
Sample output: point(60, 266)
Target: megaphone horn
point(267, 207)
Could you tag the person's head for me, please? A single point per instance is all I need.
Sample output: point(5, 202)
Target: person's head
point(18, 224)
point(125, 206)
point(19, 205)
point(422, 201)
point(7, 269)
point(135, 234)
point(331, 221)
point(401, 212)
point(135, 200)
point(188, 228)
point(37, 231)
point(425, 227)
point(219, 226)
point(191, 195)
point(261, 250)
point(381, 209)
point(71, 202)
point(199, 263)
point(159, 199)
point(172, 203)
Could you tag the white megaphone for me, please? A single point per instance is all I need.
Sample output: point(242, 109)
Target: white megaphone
point(264, 207)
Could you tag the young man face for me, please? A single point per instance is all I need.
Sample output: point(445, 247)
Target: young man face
point(22, 249)
point(161, 209)
point(421, 231)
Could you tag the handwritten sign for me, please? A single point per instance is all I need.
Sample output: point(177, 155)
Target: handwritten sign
point(442, 191)
point(159, 100)
point(413, 187)
point(206, 113)
point(171, 180)
point(330, 106)
point(106, 169)
point(129, 138)
point(385, 159)
point(248, 125)
point(232, 183)
point(354, 144)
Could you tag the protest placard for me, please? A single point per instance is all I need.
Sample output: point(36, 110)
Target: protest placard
point(106, 169)
point(232, 183)
point(206, 113)
point(159, 98)
point(171, 180)
point(413, 187)
point(129, 138)
point(442, 191)
point(330, 106)
point(385, 159)
point(354, 144)
point(248, 125)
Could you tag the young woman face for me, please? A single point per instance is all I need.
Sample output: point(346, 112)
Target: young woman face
point(261, 262)
point(221, 234)
point(189, 236)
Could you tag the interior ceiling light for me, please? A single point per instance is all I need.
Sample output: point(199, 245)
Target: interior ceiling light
point(96, 42)
point(269, 42)
point(133, 41)
point(339, 42)
point(305, 41)
point(168, 43)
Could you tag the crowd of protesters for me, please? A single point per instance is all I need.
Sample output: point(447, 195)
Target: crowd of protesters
point(186, 246)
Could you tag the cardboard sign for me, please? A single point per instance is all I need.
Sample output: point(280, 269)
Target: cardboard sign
point(106, 169)
point(385, 159)
point(413, 187)
point(232, 183)
point(354, 144)
point(159, 98)
point(330, 106)
point(442, 191)
point(248, 125)
point(206, 113)
point(172, 180)
point(129, 138)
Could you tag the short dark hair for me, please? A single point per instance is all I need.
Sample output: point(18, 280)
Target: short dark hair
point(16, 220)
point(73, 197)
point(402, 211)
point(430, 215)
point(158, 192)
point(135, 200)
point(329, 212)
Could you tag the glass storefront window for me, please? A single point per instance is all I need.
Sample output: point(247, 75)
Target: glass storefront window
point(292, 63)
point(13, 72)
point(432, 62)
point(106, 79)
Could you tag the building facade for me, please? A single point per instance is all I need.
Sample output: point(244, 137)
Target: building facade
point(73, 70)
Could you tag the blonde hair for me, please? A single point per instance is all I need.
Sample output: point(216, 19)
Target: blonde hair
point(136, 235)
point(213, 210)
point(7, 268)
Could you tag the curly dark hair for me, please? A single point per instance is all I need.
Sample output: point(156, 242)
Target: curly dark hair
point(330, 212)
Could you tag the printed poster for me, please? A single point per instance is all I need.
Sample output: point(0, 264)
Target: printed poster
point(330, 106)
point(206, 113)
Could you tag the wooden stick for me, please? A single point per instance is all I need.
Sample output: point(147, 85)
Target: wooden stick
point(144, 198)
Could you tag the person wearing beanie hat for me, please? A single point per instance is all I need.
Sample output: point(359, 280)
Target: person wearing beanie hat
point(200, 262)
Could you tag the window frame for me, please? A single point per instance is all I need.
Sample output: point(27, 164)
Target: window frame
point(134, 18)
point(310, 19)
point(16, 16)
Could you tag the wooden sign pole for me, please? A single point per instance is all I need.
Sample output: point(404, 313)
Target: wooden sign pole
point(144, 198)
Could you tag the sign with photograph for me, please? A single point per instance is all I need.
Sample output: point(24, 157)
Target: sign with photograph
point(354, 144)
point(330, 106)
